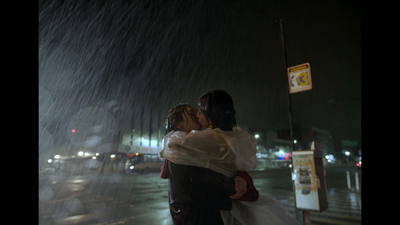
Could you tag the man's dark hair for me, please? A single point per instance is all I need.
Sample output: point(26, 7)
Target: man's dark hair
point(217, 106)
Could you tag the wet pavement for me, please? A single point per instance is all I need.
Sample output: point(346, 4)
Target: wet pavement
point(142, 199)
point(111, 199)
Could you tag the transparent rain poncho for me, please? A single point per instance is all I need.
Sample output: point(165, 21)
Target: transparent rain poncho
point(225, 152)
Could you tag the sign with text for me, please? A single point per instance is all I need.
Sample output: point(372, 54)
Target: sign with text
point(305, 180)
point(299, 78)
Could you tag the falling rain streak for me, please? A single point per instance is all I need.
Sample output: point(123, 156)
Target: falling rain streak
point(110, 70)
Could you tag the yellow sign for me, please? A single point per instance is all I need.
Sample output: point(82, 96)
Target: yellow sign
point(299, 78)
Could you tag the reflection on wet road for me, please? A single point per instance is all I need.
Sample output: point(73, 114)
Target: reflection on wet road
point(142, 199)
point(97, 199)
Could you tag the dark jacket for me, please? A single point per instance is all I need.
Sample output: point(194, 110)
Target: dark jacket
point(197, 194)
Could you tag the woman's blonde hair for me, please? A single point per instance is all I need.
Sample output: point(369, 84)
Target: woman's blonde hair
point(175, 116)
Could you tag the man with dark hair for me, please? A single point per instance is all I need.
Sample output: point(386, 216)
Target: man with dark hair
point(196, 195)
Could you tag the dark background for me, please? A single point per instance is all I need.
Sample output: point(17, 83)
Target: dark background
point(160, 53)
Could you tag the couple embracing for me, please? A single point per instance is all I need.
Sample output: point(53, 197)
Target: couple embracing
point(205, 161)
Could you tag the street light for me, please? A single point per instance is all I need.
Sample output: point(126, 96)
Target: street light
point(57, 156)
point(347, 153)
point(256, 136)
point(295, 141)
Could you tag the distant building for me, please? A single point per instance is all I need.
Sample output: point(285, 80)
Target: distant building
point(305, 136)
point(275, 148)
point(273, 152)
point(145, 132)
point(323, 138)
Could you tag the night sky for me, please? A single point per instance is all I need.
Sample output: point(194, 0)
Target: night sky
point(161, 53)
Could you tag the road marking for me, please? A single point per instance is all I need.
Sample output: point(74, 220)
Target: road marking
point(335, 215)
point(331, 221)
point(344, 208)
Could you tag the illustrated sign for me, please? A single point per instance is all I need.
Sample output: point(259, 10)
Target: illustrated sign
point(305, 180)
point(299, 78)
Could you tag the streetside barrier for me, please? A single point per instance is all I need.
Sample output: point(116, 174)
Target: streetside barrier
point(357, 181)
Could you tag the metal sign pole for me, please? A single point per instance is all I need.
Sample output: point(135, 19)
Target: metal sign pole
point(305, 216)
point(289, 101)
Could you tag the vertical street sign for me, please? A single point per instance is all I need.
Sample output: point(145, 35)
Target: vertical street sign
point(299, 78)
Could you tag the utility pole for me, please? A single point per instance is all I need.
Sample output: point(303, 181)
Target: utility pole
point(303, 217)
point(289, 100)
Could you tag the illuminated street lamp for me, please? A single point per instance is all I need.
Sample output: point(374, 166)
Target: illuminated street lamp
point(80, 153)
point(57, 156)
point(256, 136)
point(295, 141)
point(347, 153)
